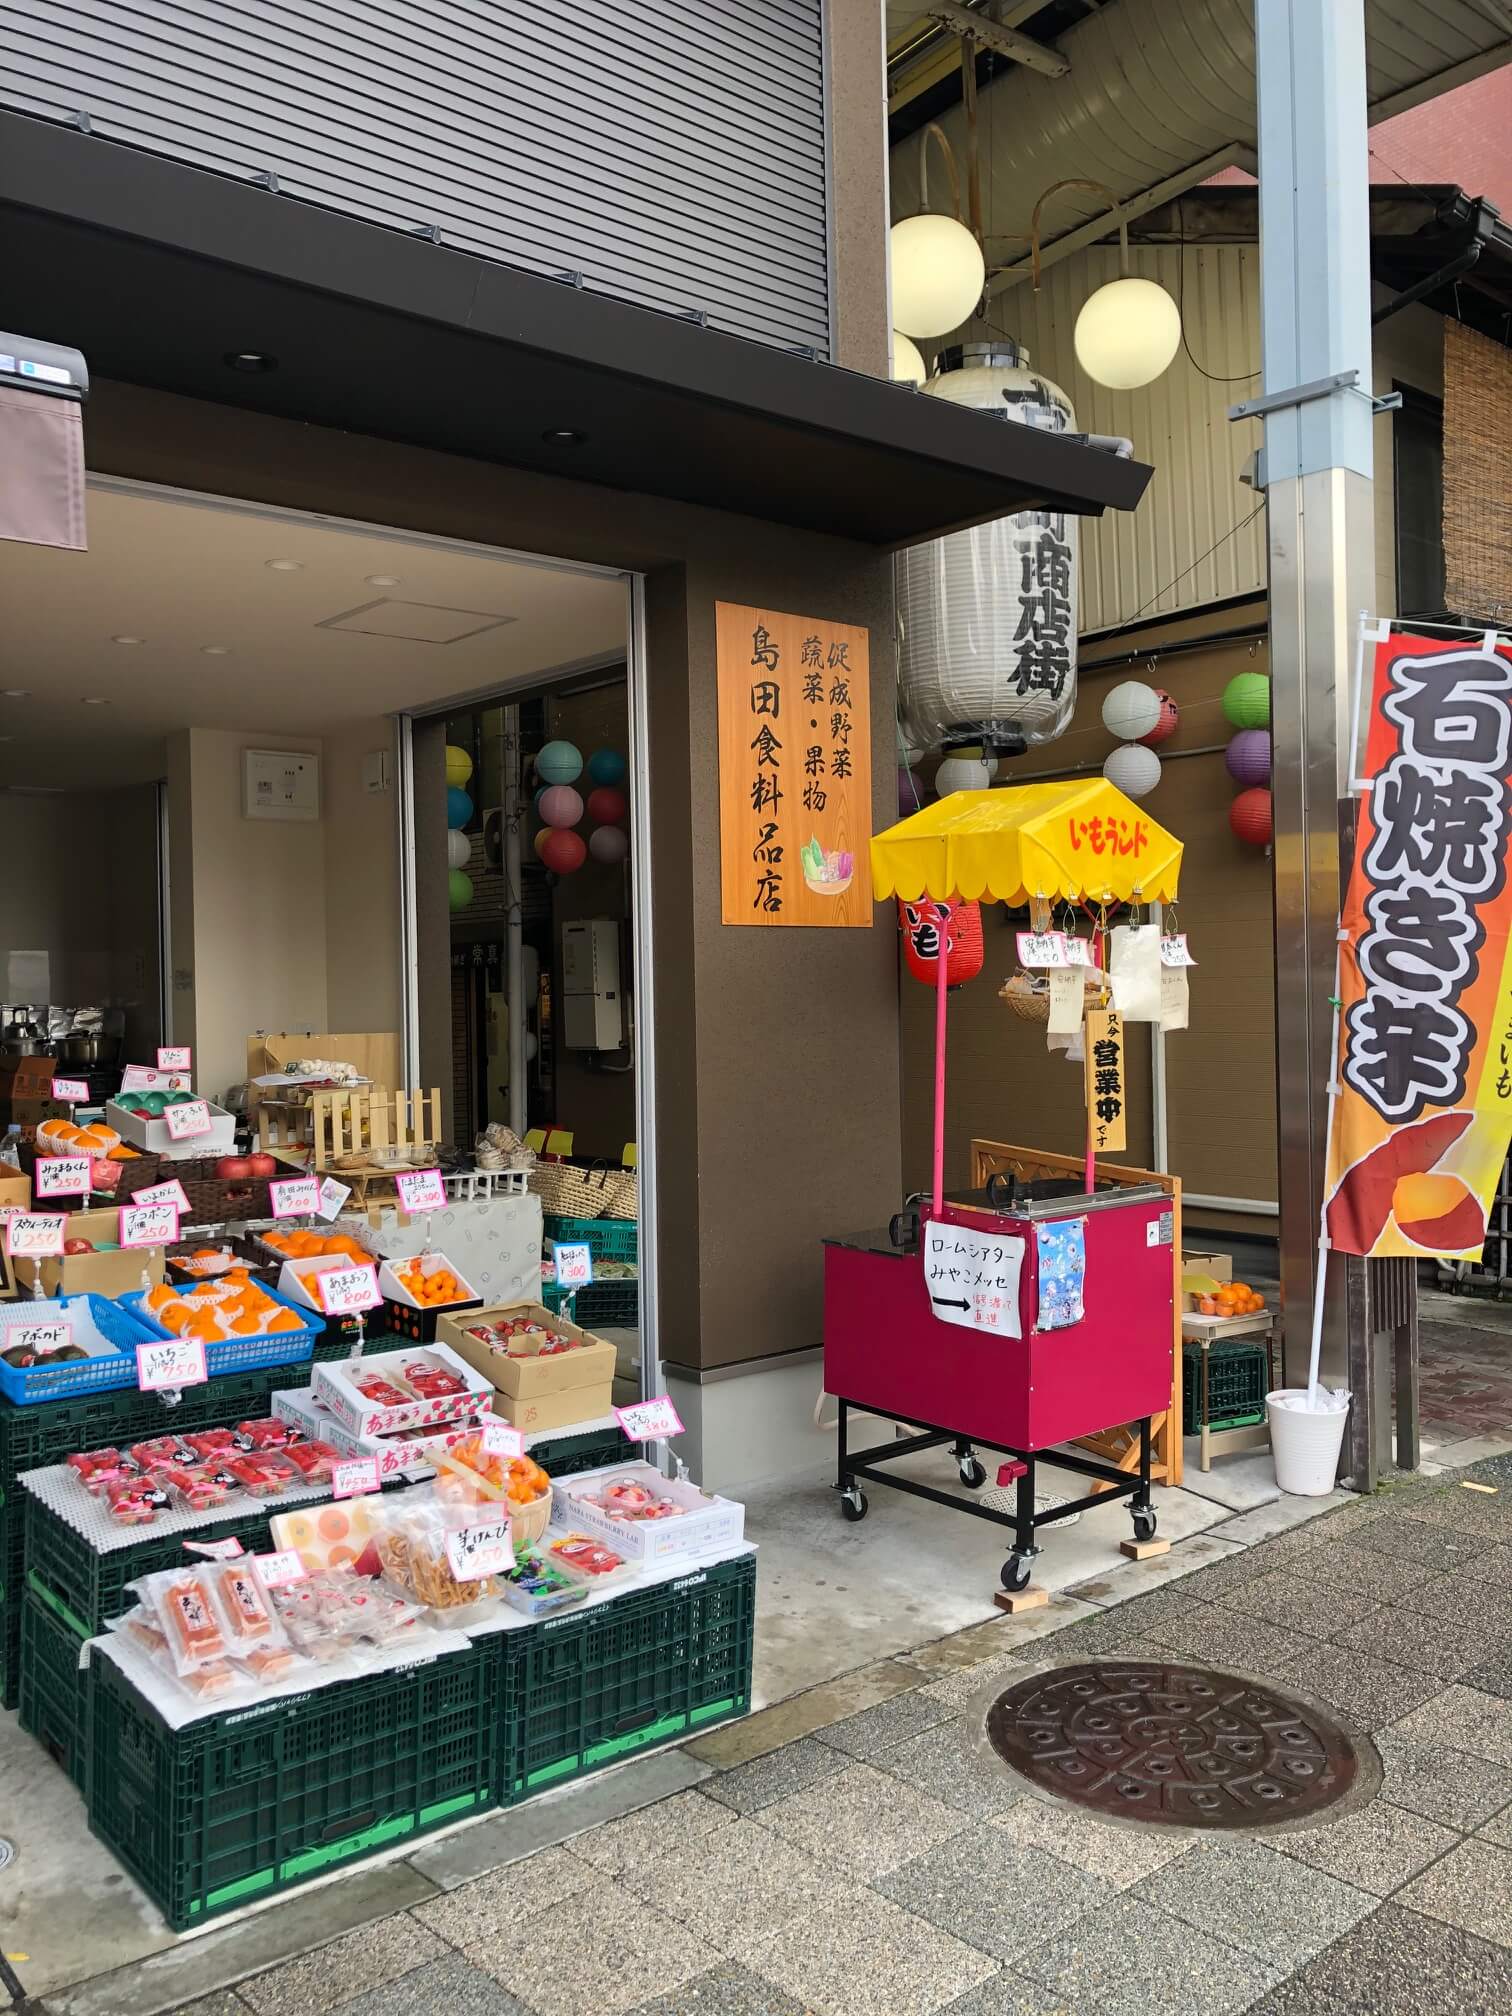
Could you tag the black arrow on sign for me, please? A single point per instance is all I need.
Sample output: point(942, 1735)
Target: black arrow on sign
point(944, 1302)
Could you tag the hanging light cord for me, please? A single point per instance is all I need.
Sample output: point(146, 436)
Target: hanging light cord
point(1238, 377)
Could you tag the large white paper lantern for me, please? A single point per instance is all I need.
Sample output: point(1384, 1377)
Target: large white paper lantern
point(938, 274)
point(964, 773)
point(1127, 333)
point(458, 849)
point(1132, 709)
point(908, 367)
point(1133, 769)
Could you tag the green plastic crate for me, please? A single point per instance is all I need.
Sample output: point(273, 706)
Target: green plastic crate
point(54, 1692)
point(605, 1238)
point(567, 1454)
point(1238, 1379)
point(581, 1692)
point(614, 1304)
point(249, 1802)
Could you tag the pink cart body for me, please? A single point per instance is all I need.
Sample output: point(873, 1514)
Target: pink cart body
point(886, 1350)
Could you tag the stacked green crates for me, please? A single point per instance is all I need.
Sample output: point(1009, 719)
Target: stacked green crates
point(613, 1304)
point(605, 1238)
point(54, 1689)
point(1238, 1378)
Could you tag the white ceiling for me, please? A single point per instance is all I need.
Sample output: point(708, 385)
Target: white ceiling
point(183, 575)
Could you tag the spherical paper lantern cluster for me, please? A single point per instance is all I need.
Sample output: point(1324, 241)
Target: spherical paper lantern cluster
point(1250, 816)
point(1131, 710)
point(459, 809)
point(1247, 704)
point(1132, 769)
point(458, 850)
point(1246, 700)
point(925, 922)
point(907, 363)
point(1170, 718)
point(1137, 715)
point(559, 763)
point(560, 805)
point(1248, 757)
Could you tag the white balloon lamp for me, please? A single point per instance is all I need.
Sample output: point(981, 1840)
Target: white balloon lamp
point(908, 367)
point(938, 274)
point(1132, 709)
point(458, 849)
point(1127, 333)
point(964, 773)
point(1133, 769)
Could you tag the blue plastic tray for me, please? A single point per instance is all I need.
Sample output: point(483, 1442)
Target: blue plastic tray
point(116, 1325)
point(244, 1354)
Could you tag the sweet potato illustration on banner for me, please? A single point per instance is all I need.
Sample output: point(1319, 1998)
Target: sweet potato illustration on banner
point(1424, 1111)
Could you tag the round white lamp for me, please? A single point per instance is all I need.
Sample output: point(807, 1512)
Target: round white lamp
point(1127, 333)
point(1133, 769)
point(1132, 709)
point(938, 274)
point(458, 849)
point(964, 773)
point(908, 367)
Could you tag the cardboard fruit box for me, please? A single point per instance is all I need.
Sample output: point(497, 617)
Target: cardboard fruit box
point(404, 1455)
point(115, 1271)
point(1201, 1273)
point(536, 1389)
point(403, 1316)
point(333, 1384)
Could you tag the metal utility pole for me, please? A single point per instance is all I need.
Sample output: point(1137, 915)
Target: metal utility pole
point(1317, 409)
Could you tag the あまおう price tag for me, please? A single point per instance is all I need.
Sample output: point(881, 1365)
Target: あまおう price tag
point(484, 1548)
point(176, 1361)
point(421, 1190)
point(347, 1291)
point(650, 1420)
point(295, 1197)
point(186, 1121)
point(149, 1224)
point(33, 1235)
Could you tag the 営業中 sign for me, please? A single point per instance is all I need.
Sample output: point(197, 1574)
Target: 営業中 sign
point(1106, 1094)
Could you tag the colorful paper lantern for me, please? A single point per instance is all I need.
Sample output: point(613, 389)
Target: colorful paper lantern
point(559, 763)
point(459, 807)
point(607, 806)
point(608, 844)
point(1250, 816)
point(1132, 709)
point(1170, 717)
point(561, 805)
point(563, 851)
point(922, 925)
point(1248, 756)
point(1246, 700)
point(1132, 769)
point(912, 791)
point(542, 835)
point(458, 850)
point(459, 889)
point(459, 765)
point(606, 766)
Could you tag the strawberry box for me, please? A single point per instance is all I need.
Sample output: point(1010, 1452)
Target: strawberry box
point(699, 1524)
point(408, 1454)
point(385, 1391)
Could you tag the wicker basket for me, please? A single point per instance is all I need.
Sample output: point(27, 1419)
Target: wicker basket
point(528, 1522)
point(1028, 996)
point(215, 1201)
point(138, 1172)
point(572, 1191)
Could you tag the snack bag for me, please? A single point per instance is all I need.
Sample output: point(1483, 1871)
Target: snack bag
point(411, 1546)
point(182, 1602)
point(254, 1635)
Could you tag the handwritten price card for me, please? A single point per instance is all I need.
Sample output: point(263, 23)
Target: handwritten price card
point(650, 1420)
point(347, 1291)
point(172, 1193)
point(33, 1235)
point(149, 1224)
point(72, 1091)
point(421, 1190)
point(41, 1339)
point(177, 1361)
point(482, 1549)
point(174, 1058)
point(499, 1439)
point(1039, 950)
point(295, 1197)
point(574, 1266)
point(357, 1475)
point(61, 1176)
point(274, 1571)
point(191, 1117)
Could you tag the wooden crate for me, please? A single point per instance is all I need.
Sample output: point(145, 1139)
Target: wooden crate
point(356, 1123)
point(1114, 1445)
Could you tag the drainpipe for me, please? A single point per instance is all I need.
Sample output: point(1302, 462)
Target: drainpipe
point(514, 942)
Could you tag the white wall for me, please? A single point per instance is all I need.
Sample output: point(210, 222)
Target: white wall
point(1407, 350)
point(361, 882)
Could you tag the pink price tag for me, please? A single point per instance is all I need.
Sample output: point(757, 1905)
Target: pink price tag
point(186, 1121)
point(347, 1291)
point(499, 1439)
point(1042, 949)
point(650, 1420)
point(421, 1190)
point(72, 1091)
point(484, 1548)
point(174, 1058)
point(214, 1550)
point(275, 1570)
point(41, 1339)
point(142, 1078)
point(172, 1193)
point(357, 1475)
point(32, 1235)
point(149, 1224)
point(61, 1176)
point(176, 1361)
point(295, 1197)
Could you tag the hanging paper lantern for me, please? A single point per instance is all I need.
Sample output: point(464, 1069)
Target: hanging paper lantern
point(562, 850)
point(1131, 710)
point(964, 773)
point(559, 763)
point(459, 889)
point(458, 850)
point(459, 765)
point(912, 791)
point(606, 766)
point(459, 807)
point(1250, 816)
point(1132, 769)
point(1170, 716)
point(543, 834)
point(921, 924)
point(1246, 700)
point(608, 844)
point(1248, 756)
point(560, 805)
point(607, 806)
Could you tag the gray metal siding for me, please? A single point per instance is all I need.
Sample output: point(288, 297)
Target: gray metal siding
point(671, 152)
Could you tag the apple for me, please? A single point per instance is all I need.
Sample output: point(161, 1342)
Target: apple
point(233, 1169)
point(77, 1246)
point(262, 1166)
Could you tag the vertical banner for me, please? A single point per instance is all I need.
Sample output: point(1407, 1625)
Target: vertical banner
point(794, 769)
point(1423, 1114)
point(1105, 1080)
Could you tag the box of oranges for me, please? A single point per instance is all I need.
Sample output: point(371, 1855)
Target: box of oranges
point(419, 1291)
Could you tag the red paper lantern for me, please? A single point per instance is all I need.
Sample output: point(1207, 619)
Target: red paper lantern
point(562, 850)
point(606, 806)
point(964, 952)
point(1165, 727)
point(1250, 816)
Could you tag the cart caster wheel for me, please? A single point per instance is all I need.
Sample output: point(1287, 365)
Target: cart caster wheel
point(1144, 1523)
point(1015, 1575)
point(973, 1476)
point(853, 1504)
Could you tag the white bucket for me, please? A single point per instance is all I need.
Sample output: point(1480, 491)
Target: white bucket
point(1305, 1442)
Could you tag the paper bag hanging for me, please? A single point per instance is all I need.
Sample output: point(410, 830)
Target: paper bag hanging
point(1105, 1080)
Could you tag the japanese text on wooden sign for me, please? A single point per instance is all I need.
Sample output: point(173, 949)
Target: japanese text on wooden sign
point(973, 1277)
point(794, 769)
point(1106, 1094)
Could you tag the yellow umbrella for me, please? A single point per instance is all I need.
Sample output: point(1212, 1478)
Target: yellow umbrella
point(1080, 839)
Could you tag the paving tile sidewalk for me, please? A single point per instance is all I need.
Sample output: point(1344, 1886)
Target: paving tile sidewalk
point(883, 1863)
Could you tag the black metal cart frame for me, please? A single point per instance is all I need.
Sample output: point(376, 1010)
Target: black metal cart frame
point(1023, 1522)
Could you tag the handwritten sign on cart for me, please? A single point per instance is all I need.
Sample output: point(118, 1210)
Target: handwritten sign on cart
point(1107, 1093)
point(972, 1277)
point(794, 768)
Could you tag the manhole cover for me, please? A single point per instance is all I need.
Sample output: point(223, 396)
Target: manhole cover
point(1175, 1744)
point(7, 1853)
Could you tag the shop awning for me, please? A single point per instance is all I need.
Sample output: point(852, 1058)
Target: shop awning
point(159, 272)
point(1082, 840)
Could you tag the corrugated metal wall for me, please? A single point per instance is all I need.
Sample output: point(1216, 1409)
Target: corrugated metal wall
point(1197, 535)
point(672, 153)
